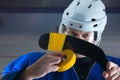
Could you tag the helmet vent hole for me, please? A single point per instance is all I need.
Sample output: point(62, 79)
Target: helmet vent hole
point(90, 6)
point(93, 19)
point(63, 25)
point(104, 10)
point(80, 26)
point(71, 24)
point(78, 3)
point(67, 13)
point(95, 25)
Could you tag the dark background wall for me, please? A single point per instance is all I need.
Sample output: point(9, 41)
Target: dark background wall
point(49, 3)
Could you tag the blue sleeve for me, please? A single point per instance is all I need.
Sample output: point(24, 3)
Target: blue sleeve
point(18, 65)
point(114, 59)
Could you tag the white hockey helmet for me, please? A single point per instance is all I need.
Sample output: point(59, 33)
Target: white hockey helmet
point(85, 15)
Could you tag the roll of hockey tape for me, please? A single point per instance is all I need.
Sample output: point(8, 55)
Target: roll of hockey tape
point(70, 59)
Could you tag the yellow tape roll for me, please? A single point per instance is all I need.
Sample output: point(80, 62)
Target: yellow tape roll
point(69, 61)
point(56, 43)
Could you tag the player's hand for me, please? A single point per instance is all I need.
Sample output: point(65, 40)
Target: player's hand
point(112, 72)
point(46, 64)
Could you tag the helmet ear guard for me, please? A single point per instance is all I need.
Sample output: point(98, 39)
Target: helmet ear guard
point(85, 15)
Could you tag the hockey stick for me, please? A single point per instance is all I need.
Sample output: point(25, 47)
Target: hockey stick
point(78, 46)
